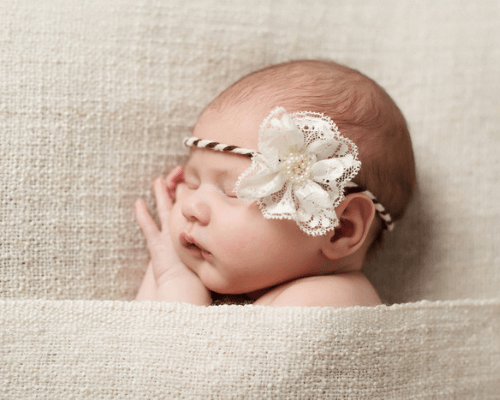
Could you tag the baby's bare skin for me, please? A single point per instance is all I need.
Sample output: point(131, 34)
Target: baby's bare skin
point(309, 249)
point(211, 241)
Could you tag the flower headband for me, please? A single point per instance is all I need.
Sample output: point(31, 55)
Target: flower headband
point(302, 171)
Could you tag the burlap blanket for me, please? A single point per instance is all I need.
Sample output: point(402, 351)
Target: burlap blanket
point(94, 98)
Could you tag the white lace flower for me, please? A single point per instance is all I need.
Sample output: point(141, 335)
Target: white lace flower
point(300, 171)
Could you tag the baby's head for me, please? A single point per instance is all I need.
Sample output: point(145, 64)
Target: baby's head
point(361, 109)
point(228, 242)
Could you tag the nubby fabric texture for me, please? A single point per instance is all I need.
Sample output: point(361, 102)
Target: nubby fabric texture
point(95, 100)
point(96, 349)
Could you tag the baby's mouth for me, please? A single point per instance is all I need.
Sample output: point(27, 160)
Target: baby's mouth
point(193, 247)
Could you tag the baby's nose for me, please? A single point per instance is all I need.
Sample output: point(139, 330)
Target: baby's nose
point(196, 207)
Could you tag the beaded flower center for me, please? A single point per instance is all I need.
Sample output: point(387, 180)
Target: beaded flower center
point(298, 167)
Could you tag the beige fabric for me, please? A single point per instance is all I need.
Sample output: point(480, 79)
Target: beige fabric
point(93, 349)
point(94, 98)
point(96, 95)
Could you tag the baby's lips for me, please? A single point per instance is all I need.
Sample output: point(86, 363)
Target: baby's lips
point(194, 247)
point(187, 240)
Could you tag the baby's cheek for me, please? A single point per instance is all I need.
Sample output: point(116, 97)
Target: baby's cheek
point(174, 221)
point(245, 243)
point(180, 192)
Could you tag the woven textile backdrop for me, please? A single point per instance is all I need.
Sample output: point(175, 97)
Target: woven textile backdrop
point(95, 96)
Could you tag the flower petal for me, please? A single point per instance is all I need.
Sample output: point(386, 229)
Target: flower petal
point(284, 209)
point(312, 197)
point(316, 213)
point(262, 184)
point(269, 152)
point(281, 134)
point(324, 148)
point(328, 171)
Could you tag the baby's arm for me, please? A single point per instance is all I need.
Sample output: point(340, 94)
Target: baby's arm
point(166, 278)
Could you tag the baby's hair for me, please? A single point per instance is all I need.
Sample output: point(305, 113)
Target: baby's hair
point(362, 110)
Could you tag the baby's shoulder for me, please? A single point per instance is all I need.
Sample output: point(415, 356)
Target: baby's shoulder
point(342, 290)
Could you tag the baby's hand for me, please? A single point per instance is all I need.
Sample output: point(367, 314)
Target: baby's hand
point(161, 248)
point(173, 281)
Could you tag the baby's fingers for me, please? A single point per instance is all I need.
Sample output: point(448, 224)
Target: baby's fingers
point(173, 179)
point(147, 224)
point(163, 200)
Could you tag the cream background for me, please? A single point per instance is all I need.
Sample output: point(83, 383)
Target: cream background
point(96, 95)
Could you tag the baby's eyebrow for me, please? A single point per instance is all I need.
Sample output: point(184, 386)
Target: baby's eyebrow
point(217, 173)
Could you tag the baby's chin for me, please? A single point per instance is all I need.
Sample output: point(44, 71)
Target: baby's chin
point(211, 275)
point(252, 291)
point(224, 287)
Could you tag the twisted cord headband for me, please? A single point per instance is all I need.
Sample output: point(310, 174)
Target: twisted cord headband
point(308, 166)
point(350, 187)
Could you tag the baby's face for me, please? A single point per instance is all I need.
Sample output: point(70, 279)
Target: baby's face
point(224, 240)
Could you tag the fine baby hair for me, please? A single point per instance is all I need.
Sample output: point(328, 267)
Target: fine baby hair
point(294, 172)
point(361, 109)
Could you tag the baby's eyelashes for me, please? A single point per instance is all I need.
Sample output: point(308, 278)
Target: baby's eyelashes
point(191, 182)
point(225, 191)
point(231, 193)
point(192, 186)
point(222, 184)
point(229, 188)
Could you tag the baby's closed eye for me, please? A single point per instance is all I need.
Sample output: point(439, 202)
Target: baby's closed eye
point(191, 181)
point(193, 185)
point(228, 187)
point(231, 193)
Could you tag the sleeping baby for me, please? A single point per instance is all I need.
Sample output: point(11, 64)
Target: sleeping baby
point(295, 172)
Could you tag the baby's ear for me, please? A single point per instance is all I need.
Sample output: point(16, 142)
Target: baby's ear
point(173, 178)
point(356, 214)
